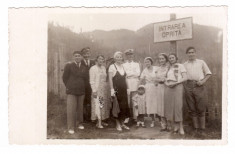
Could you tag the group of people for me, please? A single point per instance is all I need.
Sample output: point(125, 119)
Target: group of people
point(124, 91)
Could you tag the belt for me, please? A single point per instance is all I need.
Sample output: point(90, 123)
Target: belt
point(191, 83)
point(132, 77)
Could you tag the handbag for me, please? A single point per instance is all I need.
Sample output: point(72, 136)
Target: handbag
point(115, 109)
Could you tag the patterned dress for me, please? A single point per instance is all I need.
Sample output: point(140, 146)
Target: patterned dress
point(161, 74)
point(100, 107)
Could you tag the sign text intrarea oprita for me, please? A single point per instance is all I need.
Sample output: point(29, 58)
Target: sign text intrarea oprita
point(171, 30)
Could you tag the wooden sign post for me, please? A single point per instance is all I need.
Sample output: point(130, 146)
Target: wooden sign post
point(173, 44)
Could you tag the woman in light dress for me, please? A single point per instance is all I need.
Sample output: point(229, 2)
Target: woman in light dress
point(148, 77)
point(100, 106)
point(173, 109)
point(161, 77)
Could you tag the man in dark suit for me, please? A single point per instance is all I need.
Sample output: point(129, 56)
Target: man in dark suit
point(74, 80)
point(87, 63)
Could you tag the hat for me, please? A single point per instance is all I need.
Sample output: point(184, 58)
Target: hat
point(85, 50)
point(129, 51)
point(141, 86)
point(77, 52)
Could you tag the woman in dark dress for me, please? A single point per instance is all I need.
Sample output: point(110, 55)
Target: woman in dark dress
point(117, 79)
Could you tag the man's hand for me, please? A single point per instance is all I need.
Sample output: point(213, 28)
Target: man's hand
point(200, 83)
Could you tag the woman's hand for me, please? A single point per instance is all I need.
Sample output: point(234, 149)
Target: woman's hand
point(128, 91)
point(112, 92)
point(173, 85)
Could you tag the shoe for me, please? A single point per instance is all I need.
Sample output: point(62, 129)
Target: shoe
point(71, 131)
point(100, 126)
point(119, 128)
point(80, 127)
point(142, 124)
point(105, 124)
point(126, 121)
point(138, 124)
point(152, 124)
point(181, 131)
point(125, 127)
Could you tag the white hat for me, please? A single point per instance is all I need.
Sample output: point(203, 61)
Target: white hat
point(141, 86)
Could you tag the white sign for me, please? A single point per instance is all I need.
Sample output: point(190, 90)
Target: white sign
point(178, 29)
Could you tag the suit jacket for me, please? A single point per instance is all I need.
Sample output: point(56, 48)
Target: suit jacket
point(87, 78)
point(74, 78)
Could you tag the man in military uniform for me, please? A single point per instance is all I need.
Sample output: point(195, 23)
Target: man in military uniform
point(132, 70)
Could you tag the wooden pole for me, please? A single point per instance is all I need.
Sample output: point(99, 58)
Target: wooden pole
point(173, 44)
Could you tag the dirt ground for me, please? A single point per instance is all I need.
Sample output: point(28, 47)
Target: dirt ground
point(56, 128)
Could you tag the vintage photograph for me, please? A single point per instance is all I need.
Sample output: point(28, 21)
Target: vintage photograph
point(135, 74)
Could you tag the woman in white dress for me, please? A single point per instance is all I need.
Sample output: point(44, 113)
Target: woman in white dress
point(148, 77)
point(100, 106)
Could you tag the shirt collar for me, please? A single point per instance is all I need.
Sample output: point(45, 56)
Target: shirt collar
point(189, 61)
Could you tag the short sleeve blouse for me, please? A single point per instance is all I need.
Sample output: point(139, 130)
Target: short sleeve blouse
point(175, 72)
point(113, 70)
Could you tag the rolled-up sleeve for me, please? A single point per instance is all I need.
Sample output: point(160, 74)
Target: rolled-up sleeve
point(206, 69)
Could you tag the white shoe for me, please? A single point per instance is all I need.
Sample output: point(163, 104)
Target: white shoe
point(142, 123)
point(152, 124)
point(138, 124)
point(125, 127)
point(71, 131)
point(119, 128)
point(80, 127)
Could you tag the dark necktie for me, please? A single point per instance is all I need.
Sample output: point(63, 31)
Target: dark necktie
point(87, 64)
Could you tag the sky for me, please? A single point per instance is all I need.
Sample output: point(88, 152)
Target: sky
point(133, 20)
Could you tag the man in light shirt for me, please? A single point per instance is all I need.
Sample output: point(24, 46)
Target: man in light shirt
point(132, 70)
point(195, 91)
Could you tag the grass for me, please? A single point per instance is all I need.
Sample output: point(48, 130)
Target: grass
point(57, 128)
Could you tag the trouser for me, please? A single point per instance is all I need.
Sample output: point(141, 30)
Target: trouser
point(74, 110)
point(196, 98)
point(87, 103)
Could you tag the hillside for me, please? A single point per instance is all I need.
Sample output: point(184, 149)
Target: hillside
point(63, 41)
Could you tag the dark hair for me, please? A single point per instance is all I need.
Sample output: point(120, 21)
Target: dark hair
point(150, 59)
point(164, 55)
point(173, 55)
point(99, 57)
point(86, 49)
point(77, 52)
point(190, 48)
